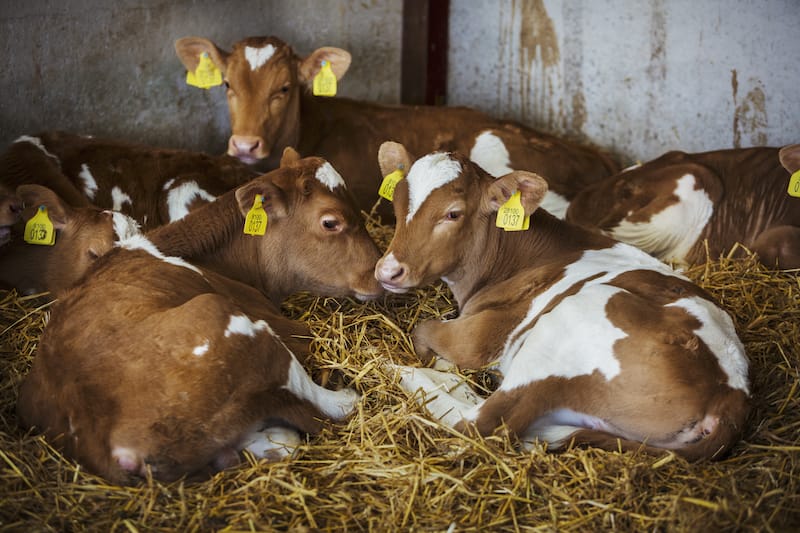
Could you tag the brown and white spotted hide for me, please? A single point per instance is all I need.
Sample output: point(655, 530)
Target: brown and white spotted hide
point(271, 107)
point(82, 234)
point(152, 365)
point(598, 342)
point(671, 206)
point(152, 185)
point(315, 239)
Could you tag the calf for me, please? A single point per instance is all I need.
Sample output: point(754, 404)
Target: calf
point(315, 239)
point(152, 364)
point(599, 342)
point(152, 185)
point(267, 87)
point(82, 235)
point(671, 206)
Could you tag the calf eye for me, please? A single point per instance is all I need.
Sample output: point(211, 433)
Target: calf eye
point(331, 224)
point(285, 88)
point(227, 85)
point(453, 215)
point(92, 254)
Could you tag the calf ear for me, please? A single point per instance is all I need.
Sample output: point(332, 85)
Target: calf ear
point(391, 156)
point(532, 188)
point(275, 203)
point(338, 58)
point(790, 157)
point(189, 50)
point(289, 157)
point(33, 196)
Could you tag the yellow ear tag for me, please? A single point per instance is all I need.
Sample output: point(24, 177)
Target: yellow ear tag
point(794, 184)
point(255, 223)
point(390, 181)
point(511, 215)
point(325, 81)
point(39, 229)
point(206, 75)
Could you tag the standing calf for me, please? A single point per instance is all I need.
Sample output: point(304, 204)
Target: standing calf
point(669, 206)
point(597, 340)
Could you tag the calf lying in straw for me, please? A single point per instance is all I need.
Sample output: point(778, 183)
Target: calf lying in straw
point(599, 342)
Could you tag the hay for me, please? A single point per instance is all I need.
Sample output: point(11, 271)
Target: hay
point(390, 467)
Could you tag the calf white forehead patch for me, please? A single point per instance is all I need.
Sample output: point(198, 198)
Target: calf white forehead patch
point(258, 56)
point(328, 176)
point(124, 226)
point(37, 142)
point(242, 325)
point(491, 154)
point(89, 183)
point(428, 174)
point(140, 242)
point(119, 198)
point(179, 198)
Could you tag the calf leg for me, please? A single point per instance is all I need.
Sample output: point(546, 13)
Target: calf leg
point(779, 246)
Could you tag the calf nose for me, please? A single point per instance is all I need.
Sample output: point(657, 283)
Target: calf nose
point(390, 272)
point(244, 146)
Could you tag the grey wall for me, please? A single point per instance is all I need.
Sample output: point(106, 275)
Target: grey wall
point(109, 68)
point(638, 77)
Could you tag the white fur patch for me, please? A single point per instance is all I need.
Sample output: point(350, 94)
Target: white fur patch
point(719, 334)
point(272, 442)
point(491, 154)
point(119, 198)
point(201, 349)
point(242, 325)
point(258, 56)
point(447, 396)
point(37, 142)
point(671, 234)
point(428, 174)
point(168, 184)
point(328, 176)
point(89, 183)
point(124, 226)
point(334, 404)
point(555, 204)
point(140, 242)
point(179, 198)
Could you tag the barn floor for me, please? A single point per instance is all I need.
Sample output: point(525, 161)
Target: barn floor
point(391, 468)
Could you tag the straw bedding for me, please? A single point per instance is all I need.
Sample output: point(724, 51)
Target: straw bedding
point(390, 467)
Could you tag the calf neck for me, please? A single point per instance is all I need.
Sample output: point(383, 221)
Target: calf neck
point(599, 342)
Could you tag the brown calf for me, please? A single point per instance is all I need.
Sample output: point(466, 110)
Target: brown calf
point(670, 206)
point(152, 185)
point(598, 341)
point(82, 235)
point(268, 91)
point(153, 364)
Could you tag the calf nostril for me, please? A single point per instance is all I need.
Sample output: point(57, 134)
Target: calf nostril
point(255, 146)
point(398, 274)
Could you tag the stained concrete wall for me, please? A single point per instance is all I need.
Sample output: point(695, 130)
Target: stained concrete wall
point(638, 77)
point(109, 68)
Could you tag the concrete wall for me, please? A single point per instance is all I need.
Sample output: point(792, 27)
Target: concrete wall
point(109, 68)
point(638, 77)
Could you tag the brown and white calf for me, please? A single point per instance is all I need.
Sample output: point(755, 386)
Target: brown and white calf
point(153, 185)
point(672, 205)
point(598, 341)
point(271, 107)
point(315, 238)
point(153, 364)
point(82, 235)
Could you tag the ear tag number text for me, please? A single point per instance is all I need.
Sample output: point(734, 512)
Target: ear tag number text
point(325, 81)
point(794, 184)
point(206, 75)
point(511, 215)
point(39, 229)
point(255, 223)
point(390, 181)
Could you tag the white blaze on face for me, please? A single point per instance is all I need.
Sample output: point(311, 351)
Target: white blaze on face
point(258, 56)
point(491, 154)
point(140, 242)
point(719, 334)
point(671, 234)
point(202, 349)
point(575, 338)
point(37, 142)
point(179, 198)
point(119, 198)
point(89, 183)
point(328, 176)
point(428, 174)
point(242, 325)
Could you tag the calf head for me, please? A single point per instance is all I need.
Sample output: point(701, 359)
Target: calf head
point(10, 212)
point(444, 209)
point(82, 235)
point(263, 81)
